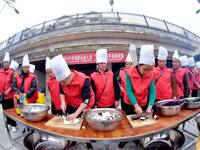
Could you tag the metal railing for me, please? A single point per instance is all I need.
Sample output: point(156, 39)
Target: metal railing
point(99, 18)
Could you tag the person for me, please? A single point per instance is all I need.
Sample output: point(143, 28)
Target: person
point(198, 72)
point(181, 78)
point(74, 87)
point(54, 89)
point(164, 78)
point(26, 82)
point(192, 77)
point(13, 66)
point(125, 102)
point(6, 91)
point(104, 83)
point(140, 84)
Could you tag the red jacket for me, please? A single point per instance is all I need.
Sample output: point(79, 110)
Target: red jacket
point(140, 85)
point(27, 85)
point(179, 75)
point(54, 89)
point(73, 91)
point(122, 75)
point(163, 83)
point(105, 94)
point(6, 81)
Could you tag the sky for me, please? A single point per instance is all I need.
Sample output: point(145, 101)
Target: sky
point(32, 12)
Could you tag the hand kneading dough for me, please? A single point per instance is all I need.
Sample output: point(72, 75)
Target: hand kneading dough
point(67, 122)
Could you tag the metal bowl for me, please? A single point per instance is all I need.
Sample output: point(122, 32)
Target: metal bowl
point(171, 110)
point(192, 102)
point(197, 118)
point(34, 112)
point(169, 140)
point(104, 119)
point(31, 140)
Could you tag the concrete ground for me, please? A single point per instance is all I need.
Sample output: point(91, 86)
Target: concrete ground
point(5, 143)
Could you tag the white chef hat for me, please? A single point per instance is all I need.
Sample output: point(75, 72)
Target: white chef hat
point(184, 60)
point(6, 57)
point(146, 54)
point(101, 56)
point(25, 61)
point(128, 58)
point(162, 53)
point(32, 68)
point(176, 55)
point(191, 62)
point(14, 65)
point(47, 63)
point(60, 68)
point(198, 64)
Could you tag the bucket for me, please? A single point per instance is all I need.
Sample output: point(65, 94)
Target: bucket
point(41, 98)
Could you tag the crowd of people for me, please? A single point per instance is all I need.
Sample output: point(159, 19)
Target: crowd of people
point(136, 88)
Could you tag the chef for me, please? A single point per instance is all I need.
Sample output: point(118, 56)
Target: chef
point(26, 82)
point(75, 88)
point(104, 83)
point(180, 77)
point(192, 77)
point(6, 91)
point(140, 84)
point(164, 78)
point(57, 106)
point(125, 102)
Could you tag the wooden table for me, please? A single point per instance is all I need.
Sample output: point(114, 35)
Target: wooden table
point(124, 131)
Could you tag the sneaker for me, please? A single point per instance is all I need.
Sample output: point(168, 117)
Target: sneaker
point(13, 129)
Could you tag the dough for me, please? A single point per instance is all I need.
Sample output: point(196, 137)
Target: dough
point(67, 122)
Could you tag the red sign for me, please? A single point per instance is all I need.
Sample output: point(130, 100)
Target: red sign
point(90, 57)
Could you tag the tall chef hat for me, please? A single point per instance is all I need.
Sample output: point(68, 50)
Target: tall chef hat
point(60, 68)
point(6, 57)
point(198, 64)
point(101, 56)
point(32, 68)
point(184, 60)
point(25, 61)
point(176, 55)
point(128, 58)
point(14, 65)
point(162, 53)
point(47, 63)
point(146, 54)
point(191, 62)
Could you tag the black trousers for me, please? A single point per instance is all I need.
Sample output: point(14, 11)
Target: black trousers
point(194, 93)
point(7, 104)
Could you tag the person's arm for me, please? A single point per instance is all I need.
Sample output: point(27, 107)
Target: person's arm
point(33, 88)
point(14, 86)
point(152, 93)
point(85, 92)
point(186, 86)
point(116, 88)
point(173, 86)
point(129, 90)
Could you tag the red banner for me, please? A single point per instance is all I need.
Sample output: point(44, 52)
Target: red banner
point(90, 57)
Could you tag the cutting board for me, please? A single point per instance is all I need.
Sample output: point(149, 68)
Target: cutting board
point(58, 123)
point(140, 123)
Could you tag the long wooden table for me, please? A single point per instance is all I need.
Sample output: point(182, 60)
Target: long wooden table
point(122, 133)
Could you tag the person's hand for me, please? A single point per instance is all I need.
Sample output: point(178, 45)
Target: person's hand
point(149, 109)
point(138, 109)
point(122, 89)
point(71, 117)
point(116, 104)
point(6, 92)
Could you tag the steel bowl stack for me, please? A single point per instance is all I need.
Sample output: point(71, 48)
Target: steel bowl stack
point(34, 112)
point(192, 102)
point(197, 118)
point(169, 107)
point(104, 119)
